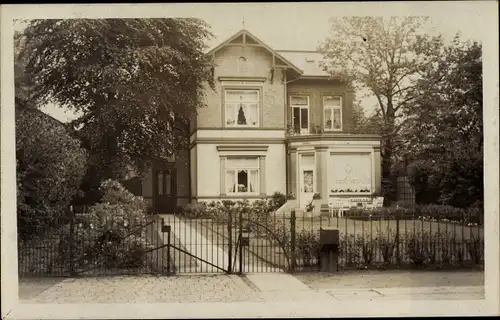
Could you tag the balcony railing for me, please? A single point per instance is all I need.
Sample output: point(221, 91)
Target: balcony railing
point(313, 128)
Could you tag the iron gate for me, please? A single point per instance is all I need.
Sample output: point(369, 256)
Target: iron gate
point(229, 245)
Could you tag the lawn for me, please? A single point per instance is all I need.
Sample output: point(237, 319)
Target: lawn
point(263, 253)
point(386, 227)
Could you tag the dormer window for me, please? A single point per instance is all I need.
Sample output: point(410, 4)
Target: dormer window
point(332, 108)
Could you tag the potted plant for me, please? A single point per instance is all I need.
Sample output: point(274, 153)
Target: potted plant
point(310, 207)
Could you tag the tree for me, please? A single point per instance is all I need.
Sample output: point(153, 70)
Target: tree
point(363, 124)
point(445, 129)
point(385, 56)
point(50, 168)
point(135, 82)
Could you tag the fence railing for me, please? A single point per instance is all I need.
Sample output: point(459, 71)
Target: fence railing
point(390, 241)
point(241, 240)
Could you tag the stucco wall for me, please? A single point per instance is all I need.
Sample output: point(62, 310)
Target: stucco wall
point(323, 151)
point(259, 64)
point(316, 89)
point(193, 170)
point(209, 171)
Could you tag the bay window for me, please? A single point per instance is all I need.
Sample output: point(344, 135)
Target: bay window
point(332, 108)
point(242, 107)
point(242, 175)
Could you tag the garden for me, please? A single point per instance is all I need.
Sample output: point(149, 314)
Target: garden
point(430, 236)
point(113, 236)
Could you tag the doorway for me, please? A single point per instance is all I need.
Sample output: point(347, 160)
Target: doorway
point(307, 180)
point(164, 189)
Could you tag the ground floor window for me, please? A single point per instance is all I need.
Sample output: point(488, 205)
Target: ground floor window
point(242, 175)
point(350, 173)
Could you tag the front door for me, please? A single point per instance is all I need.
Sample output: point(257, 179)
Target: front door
point(306, 186)
point(164, 190)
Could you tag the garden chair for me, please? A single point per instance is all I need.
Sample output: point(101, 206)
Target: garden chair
point(340, 206)
point(344, 205)
point(378, 202)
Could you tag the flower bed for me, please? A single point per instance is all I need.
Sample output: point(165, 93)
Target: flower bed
point(434, 213)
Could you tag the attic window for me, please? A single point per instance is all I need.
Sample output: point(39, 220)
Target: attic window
point(309, 60)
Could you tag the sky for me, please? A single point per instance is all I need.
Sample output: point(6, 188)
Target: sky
point(299, 26)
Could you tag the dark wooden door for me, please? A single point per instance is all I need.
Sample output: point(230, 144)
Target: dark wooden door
point(164, 190)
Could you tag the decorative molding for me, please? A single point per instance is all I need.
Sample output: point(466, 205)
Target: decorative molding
point(220, 197)
point(244, 79)
point(245, 141)
point(222, 174)
point(334, 137)
point(232, 148)
point(262, 178)
point(239, 129)
point(321, 148)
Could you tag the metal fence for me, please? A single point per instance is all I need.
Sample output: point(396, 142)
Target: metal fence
point(246, 241)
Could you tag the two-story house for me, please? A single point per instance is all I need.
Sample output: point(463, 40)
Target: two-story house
point(276, 122)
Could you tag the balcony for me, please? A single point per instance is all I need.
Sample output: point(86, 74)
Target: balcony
point(311, 129)
point(315, 132)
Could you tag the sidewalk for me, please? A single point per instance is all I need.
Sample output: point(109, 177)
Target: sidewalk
point(258, 287)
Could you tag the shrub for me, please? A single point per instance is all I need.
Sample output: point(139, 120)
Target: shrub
point(307, 246)
point(112, 234)
point(419, 248)
point(277, 200)
point(367, 247)
point(379, 213)
point(473, 215)
point(349, 252)
point(387, 245)
point(195, 210)
point(50, 167)
point(475, 248)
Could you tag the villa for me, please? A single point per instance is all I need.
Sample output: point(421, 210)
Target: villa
point(276, 122)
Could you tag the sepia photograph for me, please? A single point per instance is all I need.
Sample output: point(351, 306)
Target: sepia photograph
point(250, 159)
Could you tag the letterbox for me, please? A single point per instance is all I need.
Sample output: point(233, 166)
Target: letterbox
point(245, 237)
point(329, 239)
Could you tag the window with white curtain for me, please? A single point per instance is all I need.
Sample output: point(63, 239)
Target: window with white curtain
point(242, 107)
point(242, 175)
point(332, 108)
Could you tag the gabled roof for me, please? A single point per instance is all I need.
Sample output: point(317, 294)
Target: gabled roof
point(245, 33)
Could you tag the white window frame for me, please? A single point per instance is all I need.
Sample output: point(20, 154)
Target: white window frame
point(248, 169)
point(300, 106)
point(331, 108)
point(235, 112)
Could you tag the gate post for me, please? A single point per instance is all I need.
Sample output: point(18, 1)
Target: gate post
point(230, 231)
point(293, 256)
point(240, 236)
point(71, 240)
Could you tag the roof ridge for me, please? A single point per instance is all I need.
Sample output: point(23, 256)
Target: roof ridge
point(298, 51)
